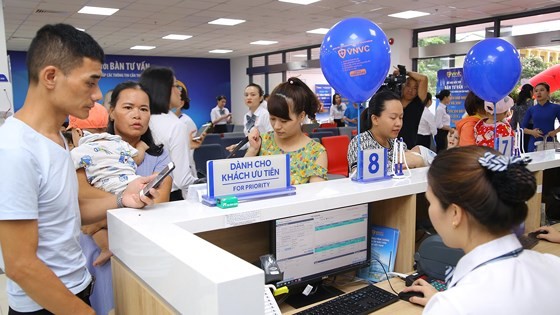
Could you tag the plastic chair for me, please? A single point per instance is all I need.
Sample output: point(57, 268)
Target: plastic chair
point(337, 149)
point(334, 130)
point(207, 152)
point(320, 134)
point(346, 131)
point(308, 128)
point(328, 125)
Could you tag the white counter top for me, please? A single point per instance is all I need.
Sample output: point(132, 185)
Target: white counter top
point(157, 243)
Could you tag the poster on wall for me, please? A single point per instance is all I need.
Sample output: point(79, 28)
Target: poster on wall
point(324, 93)
point(452, 80)
point(205, 78)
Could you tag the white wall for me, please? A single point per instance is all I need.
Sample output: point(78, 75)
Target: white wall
point(6, 95)
point(400, 50)
point(239, 80)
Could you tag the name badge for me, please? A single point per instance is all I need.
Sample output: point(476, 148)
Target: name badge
point(248, 178)
point(372, 165)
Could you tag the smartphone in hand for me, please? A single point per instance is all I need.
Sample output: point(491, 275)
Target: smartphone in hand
point(154, 183)
point(203, 129)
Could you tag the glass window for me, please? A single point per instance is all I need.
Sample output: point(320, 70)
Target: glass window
point(273, 80)
point(531, 24)
point(275, 59)
point(430, 67)
point(474, 32)
point(315, 53)
point(257, 61)
point(299, 55)
point(259, 79)
point(437, 37)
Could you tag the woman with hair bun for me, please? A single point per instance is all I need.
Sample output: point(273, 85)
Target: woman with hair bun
point(288, 105)
point(476, 195)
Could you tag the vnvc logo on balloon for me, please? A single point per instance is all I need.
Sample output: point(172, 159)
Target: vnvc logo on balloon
point(355, 58)
point(352, 51)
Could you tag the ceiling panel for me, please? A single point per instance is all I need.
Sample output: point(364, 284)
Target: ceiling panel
point(146, 21)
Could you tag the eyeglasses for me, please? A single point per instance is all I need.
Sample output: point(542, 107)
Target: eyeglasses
point(179, 87)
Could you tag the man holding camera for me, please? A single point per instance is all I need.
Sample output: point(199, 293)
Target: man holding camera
point(413, 96)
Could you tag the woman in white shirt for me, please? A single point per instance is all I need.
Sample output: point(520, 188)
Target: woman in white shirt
point(257, 116)
point(167, 129)
point(427, 127)
point(220, 115)
point(337, 110)
point(443, 120)
point(476, 196)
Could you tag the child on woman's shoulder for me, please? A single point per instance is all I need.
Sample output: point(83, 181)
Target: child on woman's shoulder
point(484, 132)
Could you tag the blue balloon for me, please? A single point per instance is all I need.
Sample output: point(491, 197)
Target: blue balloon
point(492, 68)
point(355, 58)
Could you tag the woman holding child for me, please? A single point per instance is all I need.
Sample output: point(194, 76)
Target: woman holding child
point(129, 116)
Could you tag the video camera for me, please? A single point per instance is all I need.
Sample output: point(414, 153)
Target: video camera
point(394, 82)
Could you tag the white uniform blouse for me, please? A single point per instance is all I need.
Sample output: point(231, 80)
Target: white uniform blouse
point(442, 117)
point(526, 284)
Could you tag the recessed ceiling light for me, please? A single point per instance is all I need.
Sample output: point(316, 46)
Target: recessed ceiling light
point(220, 51)
point(228, 22)
point(304, 2)
point(408, 14)
point(140, 47)
point(264, 42)
point(321, 31)
point(97, 10)
point(177, 37)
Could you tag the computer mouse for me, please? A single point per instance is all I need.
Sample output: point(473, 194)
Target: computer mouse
point(534, 234)
point(407, 295)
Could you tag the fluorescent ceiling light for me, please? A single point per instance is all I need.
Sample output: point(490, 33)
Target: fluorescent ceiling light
point(220, 51)
point(140, 47)
point(300, 56)
point(228, 22)
point(264, 42)
point(304, 2)
point(177, 37)
point(321, 31)
point(80, 29)
point(408, 14)
point(97, 10)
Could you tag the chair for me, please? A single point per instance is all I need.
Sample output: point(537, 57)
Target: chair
point(328, 125)
point(334, 130)
point(213, 138)
point(207, 152)
point(321, 134)
point(308, 128)
point(337, 148)
point(346, 131)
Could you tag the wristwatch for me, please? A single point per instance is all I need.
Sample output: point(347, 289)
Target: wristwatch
point(119, 200)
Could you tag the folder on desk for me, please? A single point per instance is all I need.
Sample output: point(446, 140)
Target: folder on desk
point(384, 243)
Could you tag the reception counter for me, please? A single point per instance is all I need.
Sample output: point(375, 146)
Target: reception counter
point(185, 257)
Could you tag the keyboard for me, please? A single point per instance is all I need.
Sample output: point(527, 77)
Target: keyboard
point(362, 301)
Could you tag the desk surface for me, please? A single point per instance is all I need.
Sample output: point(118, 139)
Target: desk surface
point(407, 308)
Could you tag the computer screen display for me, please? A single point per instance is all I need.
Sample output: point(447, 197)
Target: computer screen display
point(313, 246)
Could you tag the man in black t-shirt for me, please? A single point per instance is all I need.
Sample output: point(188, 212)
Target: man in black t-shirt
point(413, 96)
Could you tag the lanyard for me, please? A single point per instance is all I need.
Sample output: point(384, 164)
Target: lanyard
point(513, 253)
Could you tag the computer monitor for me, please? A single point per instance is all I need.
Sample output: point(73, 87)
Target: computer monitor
point(311, 247)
